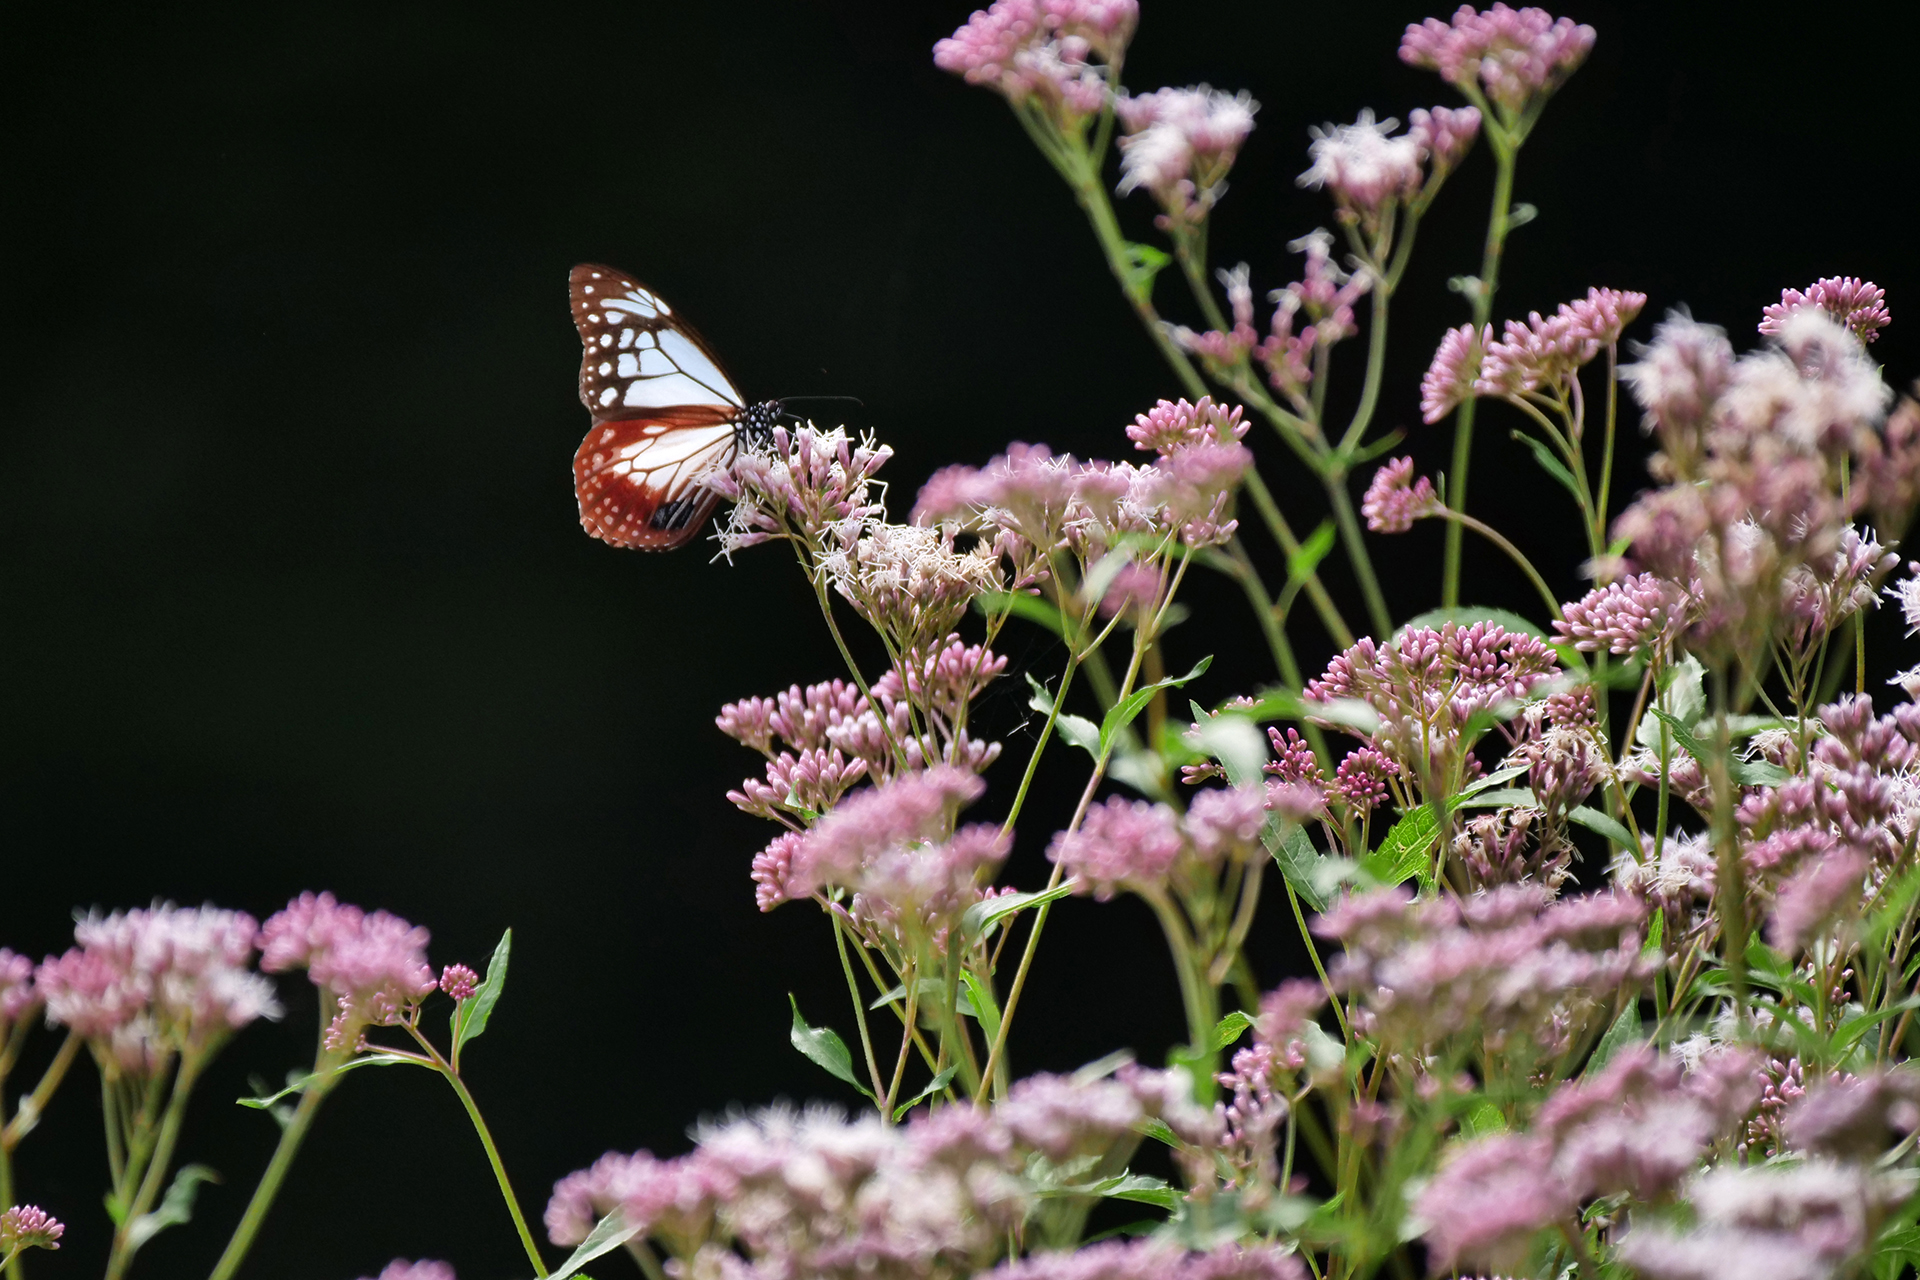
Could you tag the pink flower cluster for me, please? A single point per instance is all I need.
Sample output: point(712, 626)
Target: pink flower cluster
point(1363, 165)
point(1853, 303)
point(1180, 143)
point(1034, 503)
point(1043, 52)
point(1153, 1260)
point(401, 1269)
point(1634, 1130)
point(1429, 683)
point(28, 1226)
point(1324, 297)
point(807, 483)
point(1396, 498)
point(18, 996)
point(1513, 54)
point(811, 1193)
point(1450, 379)
point(1630, 616)
point(1546, 352)
point(1173, 425)
point(1523, 970)
point(373, 964)
point(145, 984)
point(1142, 847)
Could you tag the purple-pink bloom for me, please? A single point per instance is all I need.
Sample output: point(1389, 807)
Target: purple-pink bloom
point(1363, 165)
point(28, 1226)
point(1444, 134)
point(1514, 54)
point(458, 981)
point(425, 1269)
point(1153, 1260)
point(1546, 352)
point(1040, 50)
point(1172, 425)
point(1623, 617)
point(1120, 844)
point(18, 995)
point(1859, 305)
point(1180, 143)
point(1450, 379)
point(1489, 1199)
point(374, 964)
point(1226, 822)
point(1396, 498)
point(1813, 896)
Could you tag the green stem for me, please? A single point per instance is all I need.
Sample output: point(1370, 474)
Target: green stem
point(1730, 889)
point(276, 1172)
point(859, 1007)
point(1504, 154)
point(120, 1256)
point(1499, 540)
point(1355, 542)
point(1276, 523)
point(499, 1170)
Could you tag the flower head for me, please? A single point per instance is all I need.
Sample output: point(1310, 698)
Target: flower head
point(459, 981)
point(1044, 51)
point(1450, 379)
point(401, 1269)
point(28, 1226)
point(1513, 54)
point(1546, 352)
point(1171, 426)
point(1396, 498)
point(374, 965)
point(1363, 165)
point(1444, 134)
point(1859, 305)
point(1120, 844)
point(18, 996)
point(1180, 143)
point(1623, 617)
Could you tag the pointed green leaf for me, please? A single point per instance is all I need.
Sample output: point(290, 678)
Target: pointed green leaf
point(1230, 1028)
point(824, 1048)
point(470, 1022)
point(986, 1010)
point(1235, 741)
point(607, 1235)
point(1483, 1117)
point(1021, 605)
point(934, 1086)
point(1606, 825)
point(1624, 1031)
point(1407, 850)
point(981, 915)
point(1298, 860)
point(1549, 464)
point(300, 1085)
point(175, 1208)
point(1122, 713)
point(1497, 798)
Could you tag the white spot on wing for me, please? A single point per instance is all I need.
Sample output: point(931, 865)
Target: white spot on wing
point(608, 396)
point(606, 367)
point(626, 339)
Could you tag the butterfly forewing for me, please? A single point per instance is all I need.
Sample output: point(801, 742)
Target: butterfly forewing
point(664, 415)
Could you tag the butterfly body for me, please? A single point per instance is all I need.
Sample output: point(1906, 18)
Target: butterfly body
point(665, 415)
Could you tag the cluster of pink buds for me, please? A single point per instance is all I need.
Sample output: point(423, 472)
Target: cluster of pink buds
point(27, 1226)
point(1396, 498)
point(373, 964)
point(1051, 55)
point(1179, 145)
point(1855, 304)
point(1514, 55)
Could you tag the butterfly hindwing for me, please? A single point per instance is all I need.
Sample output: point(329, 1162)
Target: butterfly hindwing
point(638, 479)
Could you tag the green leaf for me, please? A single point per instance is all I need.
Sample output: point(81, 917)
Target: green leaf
point(1075, 731)
point(1493, 779)
point(1549, 464)
point(1594, 820)
point(1624, 1031)
point(1656, 934)
point(1683, 699)
point(1144, 262)
point(1407, 850)
point(1141, 770)
point(1122, 1186)
point(1122, 713)
point(981, 915)
point(1521, 214)
point(934, 1086)
point(607, 1235)
point(824, 1048)
point(1229, 1029)
point(1298, 860)
point(300, 1085)
point(175, 1208)
point(1302, 563)
point(1235, 741)
point(986, 1010)
point(1746, 773)
point(470, 1021)
point(1483, 1117)
point(1158, 1130)
point(1497, 798)
point(1021, 605)
point(1104, 571)
point(1895, 898)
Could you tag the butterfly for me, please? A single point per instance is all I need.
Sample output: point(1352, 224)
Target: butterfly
point(665, 416)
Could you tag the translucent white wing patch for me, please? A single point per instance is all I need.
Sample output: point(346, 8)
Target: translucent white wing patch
point(638, 479)
point(636, 356)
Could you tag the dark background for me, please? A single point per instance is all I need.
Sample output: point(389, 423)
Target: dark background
point(294, 596)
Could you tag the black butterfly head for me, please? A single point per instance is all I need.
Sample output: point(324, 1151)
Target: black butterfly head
point(757, 421)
